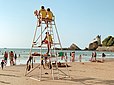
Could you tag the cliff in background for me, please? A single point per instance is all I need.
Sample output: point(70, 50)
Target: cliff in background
point(95, 43)
point(105, 48)
point(93, 46)
point(107, 44)
point(72, 47)
point(109, 41)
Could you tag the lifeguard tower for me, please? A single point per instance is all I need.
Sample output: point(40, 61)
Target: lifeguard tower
point(48, 65)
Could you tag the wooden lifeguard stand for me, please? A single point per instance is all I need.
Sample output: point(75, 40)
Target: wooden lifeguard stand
point(52, 58)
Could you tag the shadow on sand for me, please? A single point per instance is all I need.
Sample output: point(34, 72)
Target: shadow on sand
point(9, 75)
point(4, 82)
point(92, 81)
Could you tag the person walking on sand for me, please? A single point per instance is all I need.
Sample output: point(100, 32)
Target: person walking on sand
point(5, 57)
point(11, 55)
point(2, 64)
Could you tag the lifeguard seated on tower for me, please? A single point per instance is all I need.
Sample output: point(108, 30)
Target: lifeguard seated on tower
point(49, 16)
point(41, 15)
point(44, 15)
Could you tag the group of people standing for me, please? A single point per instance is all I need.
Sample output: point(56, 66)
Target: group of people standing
point(12, 56)
point(94, 57)
point(73, 58)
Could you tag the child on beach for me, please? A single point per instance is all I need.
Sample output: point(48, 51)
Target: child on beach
point(2, 64)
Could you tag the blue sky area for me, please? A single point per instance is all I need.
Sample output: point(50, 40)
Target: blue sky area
point(78, 21)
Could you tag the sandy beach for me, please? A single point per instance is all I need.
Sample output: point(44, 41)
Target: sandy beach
point(87, 73)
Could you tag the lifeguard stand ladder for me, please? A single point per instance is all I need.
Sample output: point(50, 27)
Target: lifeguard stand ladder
point(53, 56)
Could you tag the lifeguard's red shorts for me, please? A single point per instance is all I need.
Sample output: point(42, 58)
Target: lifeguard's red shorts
point(45, 41)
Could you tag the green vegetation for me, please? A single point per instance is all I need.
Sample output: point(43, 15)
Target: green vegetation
point(109, 41)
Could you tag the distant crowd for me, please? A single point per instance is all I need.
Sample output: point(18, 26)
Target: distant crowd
point(92, 59)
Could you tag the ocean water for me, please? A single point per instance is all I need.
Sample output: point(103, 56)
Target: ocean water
point(24, 54)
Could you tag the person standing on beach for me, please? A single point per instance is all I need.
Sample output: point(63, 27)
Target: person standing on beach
point(5, 57)
point(15, 57)
point(19, 57)
point(93, 58)
point(72, 54)
point(103, 57)
point(80, 58)
point(95, 55)
point(11, 56)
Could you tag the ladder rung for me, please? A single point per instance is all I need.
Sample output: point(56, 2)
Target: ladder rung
point(51, 20)
point(52, 24)
point(56, 43)
point(43, 23)
point(34, 44)
point(48, 24)
point(50, 30)
point(39, 47)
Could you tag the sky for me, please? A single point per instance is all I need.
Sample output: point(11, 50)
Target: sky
point(78, 21)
